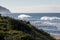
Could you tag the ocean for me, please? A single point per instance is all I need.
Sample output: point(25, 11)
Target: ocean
point(49, 22)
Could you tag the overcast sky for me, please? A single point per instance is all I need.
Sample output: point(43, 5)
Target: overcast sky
point(32, 6)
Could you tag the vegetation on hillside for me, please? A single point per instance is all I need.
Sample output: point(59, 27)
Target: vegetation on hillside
point(13, 29)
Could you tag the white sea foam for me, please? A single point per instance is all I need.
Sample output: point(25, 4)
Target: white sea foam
point(57, 25)
point(47, 24)
point(49, 18)
point(24, 16)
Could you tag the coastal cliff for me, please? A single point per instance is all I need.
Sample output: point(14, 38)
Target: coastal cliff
point(13, 29)
point(4, 10)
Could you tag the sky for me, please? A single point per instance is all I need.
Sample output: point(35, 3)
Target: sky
point(32, 6)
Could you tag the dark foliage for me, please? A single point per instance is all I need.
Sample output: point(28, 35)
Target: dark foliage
point(12, 29)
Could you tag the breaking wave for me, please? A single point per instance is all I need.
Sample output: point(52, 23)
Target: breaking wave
point(46, 25)
point(24, 16)
point(49, 18)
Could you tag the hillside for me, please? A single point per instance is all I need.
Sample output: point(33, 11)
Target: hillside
point(12, 29)
point(4, 10)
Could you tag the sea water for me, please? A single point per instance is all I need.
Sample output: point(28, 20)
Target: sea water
point(49, 22)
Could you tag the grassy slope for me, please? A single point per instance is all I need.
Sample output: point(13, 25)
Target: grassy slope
point(12, 29)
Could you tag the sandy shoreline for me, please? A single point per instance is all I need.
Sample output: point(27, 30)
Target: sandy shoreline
point(57, 37)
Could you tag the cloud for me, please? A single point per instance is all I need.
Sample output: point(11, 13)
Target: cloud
point(37, 9)
point(31, 6)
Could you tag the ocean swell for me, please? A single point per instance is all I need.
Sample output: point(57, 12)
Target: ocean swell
point(49, 18)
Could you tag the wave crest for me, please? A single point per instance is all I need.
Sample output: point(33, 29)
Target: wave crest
point(49, 18)
point(23, 16)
